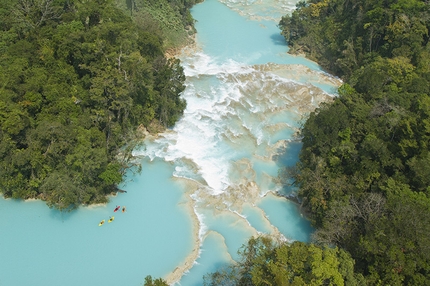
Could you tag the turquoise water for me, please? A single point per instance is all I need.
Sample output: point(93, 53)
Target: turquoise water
point(225, 35)
point(208, 260)
point(256, 219)
point(285, 217)
point(206, 185)
point(40, 246)
point(245, 97)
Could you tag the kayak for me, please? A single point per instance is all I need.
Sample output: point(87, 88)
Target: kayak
point(123, 209)
point(116, 209)
point(111, 219)
point(102, 222)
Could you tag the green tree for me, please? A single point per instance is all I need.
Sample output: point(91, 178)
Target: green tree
point(78, 78)
point(149, 281)
point(365, 154)
point(263, 262)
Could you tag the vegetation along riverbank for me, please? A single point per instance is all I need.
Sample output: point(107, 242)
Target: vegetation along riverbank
point(363, 172)
point(78, 78)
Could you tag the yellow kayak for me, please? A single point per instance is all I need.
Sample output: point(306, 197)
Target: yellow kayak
point(102, 222)
point(111, 219)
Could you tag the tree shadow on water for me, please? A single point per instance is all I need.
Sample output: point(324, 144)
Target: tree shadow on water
point(286, 158)
point(278, 39)
point(225, 274)
point(61, 215)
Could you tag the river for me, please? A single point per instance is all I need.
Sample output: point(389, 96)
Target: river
point(206, 185)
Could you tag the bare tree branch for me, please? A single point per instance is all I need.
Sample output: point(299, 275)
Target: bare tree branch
point(33, 13)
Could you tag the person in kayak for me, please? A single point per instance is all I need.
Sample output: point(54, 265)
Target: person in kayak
point(117, 208)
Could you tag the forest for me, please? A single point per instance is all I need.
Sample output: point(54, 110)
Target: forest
point(363, 175)
point(78, 78)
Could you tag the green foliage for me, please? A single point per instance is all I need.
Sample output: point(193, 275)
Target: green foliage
point(263, 262)
point(342, 35)
point(77, 78)
point(156, 282)
point(171, 20)
point(363, 170)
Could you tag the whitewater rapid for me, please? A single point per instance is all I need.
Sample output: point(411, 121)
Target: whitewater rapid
point(245, 103)
point(206, 185)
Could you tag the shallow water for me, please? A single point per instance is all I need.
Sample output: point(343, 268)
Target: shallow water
point(206, 185)
point(246, 97)
point(40, 246)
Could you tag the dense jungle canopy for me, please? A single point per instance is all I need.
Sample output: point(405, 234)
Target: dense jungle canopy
point(364, 170)
point(77, 79)
point(79, 76)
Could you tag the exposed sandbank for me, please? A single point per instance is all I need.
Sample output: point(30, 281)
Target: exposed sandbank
point(186, 265)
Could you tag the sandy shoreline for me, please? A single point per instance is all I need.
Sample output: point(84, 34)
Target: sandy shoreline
point(304, 99)
point(188, 263)
point(216, 204)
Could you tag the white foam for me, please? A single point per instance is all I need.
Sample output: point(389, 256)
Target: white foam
point(202, 64)
point(229, 110)
point(203, 227)
point(262, 9)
